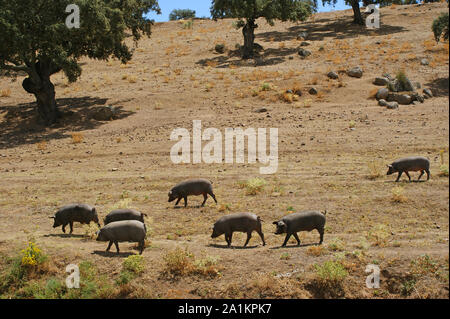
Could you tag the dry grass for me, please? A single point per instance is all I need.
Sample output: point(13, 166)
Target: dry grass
point(5, 92)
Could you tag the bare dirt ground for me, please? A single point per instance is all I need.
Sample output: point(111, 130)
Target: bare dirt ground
point(176, 77)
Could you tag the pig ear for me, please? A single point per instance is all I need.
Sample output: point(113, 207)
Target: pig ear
point(52, 217)
point(389, 166)
point(170, 193)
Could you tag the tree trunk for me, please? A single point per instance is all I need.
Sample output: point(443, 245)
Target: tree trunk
point(357, 18)
point(249, 39)
point(44, 91)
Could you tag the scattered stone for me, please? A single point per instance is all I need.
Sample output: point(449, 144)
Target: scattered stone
point(333, 75)
point(261, 110)
point(304, 44)
point(428, 92)
point(312, 91)
point(415, 103)
point(382, 102)
point(424, 62)
point(104, 113)
point(304, 53)
point(381, 81)
point(355, 72)
point(114, 169)
point(417, 97)
point(382, 94)
point(387, 76)
point(418, 85)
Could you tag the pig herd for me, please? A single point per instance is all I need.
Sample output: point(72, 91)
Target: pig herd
point(127, 225)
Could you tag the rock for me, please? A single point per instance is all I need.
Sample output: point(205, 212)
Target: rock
point(404, 99)
point(333, 75)
point(417, 97)
point(382, 102)
point(382, 94)
point(304, 44)
point(304, 53)
point(104, 113)
point(428, 92)
point(303, 35)
point(418, 85)
point(381, 81)
point(355, 72)
point(220, 48)
point(424, 62)
point(261, 110)
point(408, 86)
point(312, 91)
point(415, 103)
point(392, 105)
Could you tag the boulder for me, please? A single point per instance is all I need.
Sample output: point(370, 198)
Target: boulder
point(403, 99)
point(382, 102)
point(428, 92)
point(424, 62)
point(392, 105)
point(380, 81)
point(355, 72)
point(382, 94)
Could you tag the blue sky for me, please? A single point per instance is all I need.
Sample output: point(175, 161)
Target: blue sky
point(201, 8)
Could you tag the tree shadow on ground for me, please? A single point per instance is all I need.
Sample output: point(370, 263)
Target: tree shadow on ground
point(439, 87)
point(341, 28)
point(22, 125)
point(261, 58)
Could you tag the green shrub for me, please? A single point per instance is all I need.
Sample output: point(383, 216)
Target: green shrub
point(440, 27)
point(331, 271)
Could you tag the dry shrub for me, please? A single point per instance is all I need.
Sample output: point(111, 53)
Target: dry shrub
point(77, 138)
point(397, 195)
point(5, 92)
point(179, 263)
point(315, 251)
point(373, 93)
point(375, 168)
point(379, 235)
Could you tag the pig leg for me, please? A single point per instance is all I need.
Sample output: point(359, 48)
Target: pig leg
point(213, 196)
point(64, 228)
point(141, 247)
point(428, 173)
point(249, 235)
point(71, 227)
point(117, 246)
point(286, 240)
point(230, 236)
point(421, 173)
point(321, 231)
point(179, 198)
point(205, 197)
point(262, 236)
point(109, 245)
point(398, 177)
point(297, 239)
point(185, 201)
point(407, 174)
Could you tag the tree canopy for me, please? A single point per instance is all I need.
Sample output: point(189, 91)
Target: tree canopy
point(250, 10)
point(36, 40)
point(181, 14)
